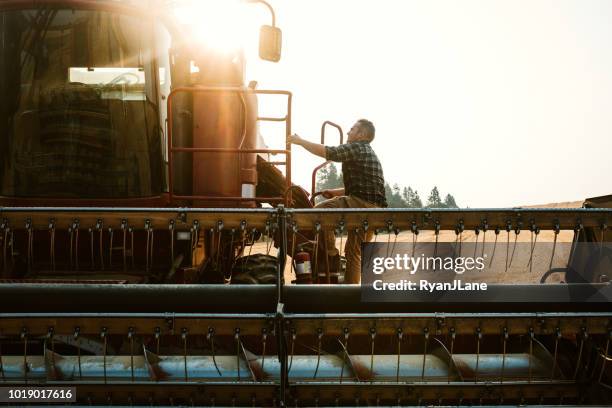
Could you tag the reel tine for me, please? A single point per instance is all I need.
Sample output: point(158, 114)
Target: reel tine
point(124, 244)
point(294, 232)
point(132, 252)
point(104, 336)
point(50, 331)
point(157, 336)
point(196, 237)
point(580, 350)
point(577, 230)
point(399, 351)
point(478, 339)
point(319, 337)
point(508, 229)
point(232, 235)
point(171, 224)
point(24, 337)
point(148, 229)
point(450, 354)
point(76, 243)
point(437, 236)
point(243, 235)
point(344, 352)
point(237, 338)
point(485, 228)
point(264, 337)
point(219, 228)
point(267, 239)
point(211, 338)
point(110, 247)
point(211, 232)
point(293, 338)
point(605, 357)
point(372, 340)
point(556, 229)
point(531, 337)
point(253, 231)
point(461, 229)
point(70, 233)
point(152, 232)
point(517, 231)
point(534, 230)
point(504, 348)
point(497, 231)
point(131, 339)
point(99, 225)
point(425, 341)
point(77, 338)
point(477, 232)
point(557, 338)
point(184, 338)
point(415, 236)
point(52, 243)
point(30, 244)
point(316, 252)
point(389, 228)
point(530, 245)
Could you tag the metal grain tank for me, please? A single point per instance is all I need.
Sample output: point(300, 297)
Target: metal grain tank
point(225, 120)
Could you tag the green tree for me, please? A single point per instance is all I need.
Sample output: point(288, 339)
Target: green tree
point(434, 200)
point(397, 197)
point(416, 201)
point(328, 178)
point(394, 197)
point(449, 202)
point(408, 196)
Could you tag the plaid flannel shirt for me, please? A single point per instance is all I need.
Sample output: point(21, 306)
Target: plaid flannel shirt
point(361, 171)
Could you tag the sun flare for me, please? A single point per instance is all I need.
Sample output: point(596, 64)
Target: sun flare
point(221, 25)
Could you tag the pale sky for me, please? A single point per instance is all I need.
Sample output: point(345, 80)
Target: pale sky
point(500, 103)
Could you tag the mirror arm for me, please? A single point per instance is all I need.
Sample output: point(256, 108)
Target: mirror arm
point(265, 3)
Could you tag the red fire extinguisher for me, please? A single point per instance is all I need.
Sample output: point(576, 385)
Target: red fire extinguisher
point(303, 269)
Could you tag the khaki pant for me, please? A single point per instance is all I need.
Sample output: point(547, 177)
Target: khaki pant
point(353, 242)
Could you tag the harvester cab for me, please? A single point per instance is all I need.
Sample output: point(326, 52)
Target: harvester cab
point(111, 104)
point(135, 187)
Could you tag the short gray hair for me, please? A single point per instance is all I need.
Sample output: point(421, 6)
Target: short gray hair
point(367, 128)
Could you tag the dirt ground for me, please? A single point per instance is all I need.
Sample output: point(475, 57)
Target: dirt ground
point(518, 271)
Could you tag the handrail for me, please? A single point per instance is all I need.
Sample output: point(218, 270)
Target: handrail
point(314, 194)
point(240, 91)
point(330, 123)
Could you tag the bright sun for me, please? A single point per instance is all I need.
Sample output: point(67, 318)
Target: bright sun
point(219, 24)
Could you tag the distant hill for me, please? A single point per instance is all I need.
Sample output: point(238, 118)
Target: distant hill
point(565, 204)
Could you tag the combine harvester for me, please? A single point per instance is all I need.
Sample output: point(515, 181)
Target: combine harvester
point(133, 187)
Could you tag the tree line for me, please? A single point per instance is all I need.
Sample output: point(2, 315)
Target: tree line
point(397, 197)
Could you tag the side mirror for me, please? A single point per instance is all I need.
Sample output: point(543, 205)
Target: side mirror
point(270, 43)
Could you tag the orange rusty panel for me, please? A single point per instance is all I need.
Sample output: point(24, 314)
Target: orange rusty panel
point(248, 162)
point(219, 122)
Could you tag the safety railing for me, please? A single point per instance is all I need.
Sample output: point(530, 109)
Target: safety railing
point(313, 186)
point(239, 150)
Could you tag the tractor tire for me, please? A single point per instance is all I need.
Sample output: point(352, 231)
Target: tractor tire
point(255, 269)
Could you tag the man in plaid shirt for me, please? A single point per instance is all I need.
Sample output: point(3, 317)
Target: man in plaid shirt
point(364, 187)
